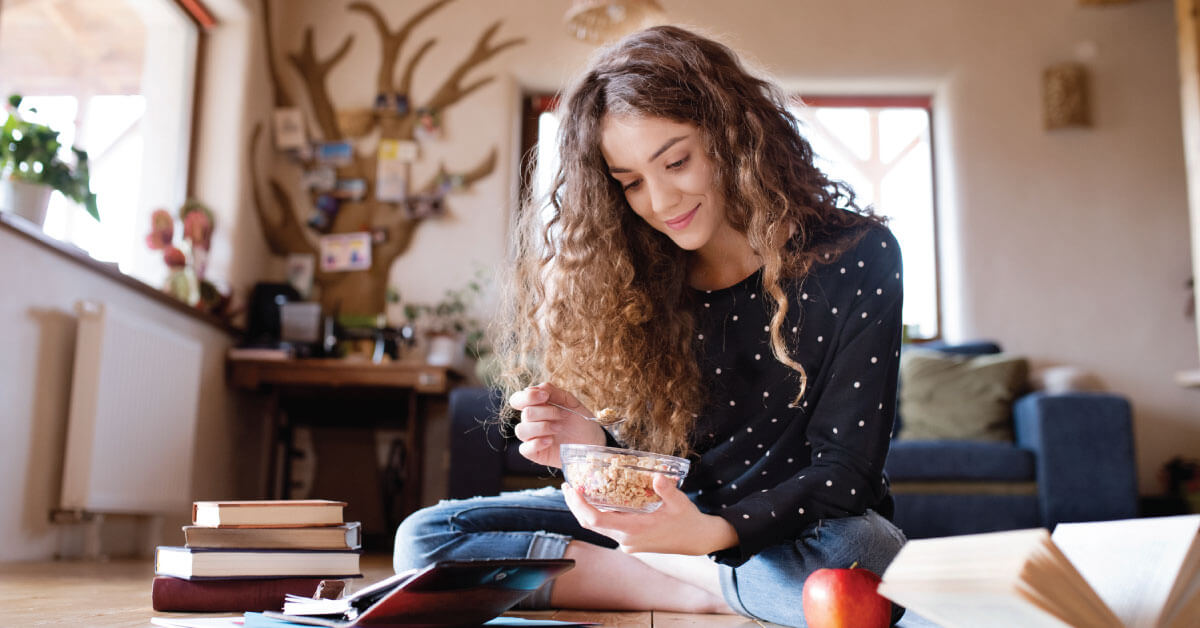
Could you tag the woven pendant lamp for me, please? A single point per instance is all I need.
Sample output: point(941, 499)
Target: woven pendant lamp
point(599, 21)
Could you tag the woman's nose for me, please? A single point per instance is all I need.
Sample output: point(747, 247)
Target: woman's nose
point(663, 197)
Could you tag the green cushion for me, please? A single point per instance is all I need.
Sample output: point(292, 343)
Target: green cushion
point(954, 397)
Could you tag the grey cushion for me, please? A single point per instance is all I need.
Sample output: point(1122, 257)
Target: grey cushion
point(954, 397)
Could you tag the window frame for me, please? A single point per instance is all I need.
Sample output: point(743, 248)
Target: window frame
point(199, 14)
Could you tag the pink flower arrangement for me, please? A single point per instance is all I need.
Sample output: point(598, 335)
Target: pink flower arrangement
point(187, 284)
point(197, 224)
point(162, 230)
point(174, 258)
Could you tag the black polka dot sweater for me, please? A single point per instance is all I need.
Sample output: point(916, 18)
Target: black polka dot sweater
point(770, 468)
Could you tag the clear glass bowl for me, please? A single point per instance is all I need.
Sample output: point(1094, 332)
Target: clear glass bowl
point(619, 479)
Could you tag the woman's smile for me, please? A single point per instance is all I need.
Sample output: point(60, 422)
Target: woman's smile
point(683, 221)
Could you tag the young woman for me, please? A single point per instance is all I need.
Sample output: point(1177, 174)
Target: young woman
point(698, 275)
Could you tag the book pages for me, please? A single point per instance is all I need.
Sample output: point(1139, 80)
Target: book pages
point(1133, 564)
point(1014, 578)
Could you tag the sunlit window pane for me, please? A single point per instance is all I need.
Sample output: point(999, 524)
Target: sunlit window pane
point(900, 129)
point(547, 153)
point(851, 129)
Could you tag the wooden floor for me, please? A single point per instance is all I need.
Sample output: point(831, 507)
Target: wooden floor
point(117, 593)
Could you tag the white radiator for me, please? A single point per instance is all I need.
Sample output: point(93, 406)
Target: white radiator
point(132, 425)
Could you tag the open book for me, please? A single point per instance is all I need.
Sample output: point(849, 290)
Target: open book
point(1135, 573)
point(449, 592)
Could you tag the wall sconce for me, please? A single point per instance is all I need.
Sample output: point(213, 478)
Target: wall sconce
point(599, 21)
point(1065, 100)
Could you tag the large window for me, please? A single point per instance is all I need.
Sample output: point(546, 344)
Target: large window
point(115, 78)
point(881, 147)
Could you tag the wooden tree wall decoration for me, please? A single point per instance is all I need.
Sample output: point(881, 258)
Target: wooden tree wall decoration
point(364, 292)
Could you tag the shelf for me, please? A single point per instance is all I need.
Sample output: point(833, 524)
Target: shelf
point(1188, 379)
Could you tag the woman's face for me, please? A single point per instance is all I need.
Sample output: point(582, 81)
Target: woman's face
point(667, 176)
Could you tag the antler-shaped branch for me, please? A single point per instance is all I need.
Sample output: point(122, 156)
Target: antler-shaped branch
point(451, 91)
point(282, 99)
point(393, 42)
point(480, 171)
point(406, 80)
point(315, 71)
point(284, 235)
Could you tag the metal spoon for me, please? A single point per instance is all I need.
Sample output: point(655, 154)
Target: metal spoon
point(590, 418)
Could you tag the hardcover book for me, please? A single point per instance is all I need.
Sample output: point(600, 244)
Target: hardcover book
point(1139, 573)
point(208, 596)
point(193, 563)
point(347, 536)
point(267, 513)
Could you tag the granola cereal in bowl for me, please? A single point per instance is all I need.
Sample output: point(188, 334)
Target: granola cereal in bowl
point(619, 479)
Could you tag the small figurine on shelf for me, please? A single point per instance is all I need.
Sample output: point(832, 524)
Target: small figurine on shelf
point(187, 281)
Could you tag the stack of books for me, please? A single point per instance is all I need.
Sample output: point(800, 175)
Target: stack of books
point(249, 555)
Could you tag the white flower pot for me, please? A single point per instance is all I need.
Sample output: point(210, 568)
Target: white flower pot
point(27, 200)
point(445, 350)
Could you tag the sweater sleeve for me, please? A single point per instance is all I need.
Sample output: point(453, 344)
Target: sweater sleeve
point(851, 413)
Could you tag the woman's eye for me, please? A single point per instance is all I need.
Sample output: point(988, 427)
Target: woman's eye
point(677, 164)
point(631, 185)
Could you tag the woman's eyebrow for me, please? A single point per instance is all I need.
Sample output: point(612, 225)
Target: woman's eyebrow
point(661, 149)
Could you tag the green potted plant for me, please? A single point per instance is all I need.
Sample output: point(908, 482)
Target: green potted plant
point(448, 325)
point(30, 168)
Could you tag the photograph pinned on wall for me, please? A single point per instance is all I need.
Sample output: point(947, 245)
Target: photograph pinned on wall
point(391, 171)
point(335, 153)
point(288, 126)
point(344, 252)
point(448, 182)
point(379, 235)
point(400, 103)
point(422, 206)
point(351, 189)
point(300, 268)
point(327, 208)
point(393, 103)
point(429, 125)
point(319, 179)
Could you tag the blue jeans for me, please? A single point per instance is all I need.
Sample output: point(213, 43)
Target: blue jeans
point(538, 524)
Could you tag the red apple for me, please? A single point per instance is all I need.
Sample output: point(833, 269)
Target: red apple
point(845, 598)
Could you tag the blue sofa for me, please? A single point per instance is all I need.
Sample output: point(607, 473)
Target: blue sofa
point(1072, 460)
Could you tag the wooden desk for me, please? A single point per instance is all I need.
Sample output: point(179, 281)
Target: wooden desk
point(407, 387)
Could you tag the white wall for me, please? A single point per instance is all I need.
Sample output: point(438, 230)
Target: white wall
point(1068, 246)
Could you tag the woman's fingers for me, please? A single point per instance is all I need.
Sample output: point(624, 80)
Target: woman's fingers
point(584, 512)
point(545, 394)
point(533, 448)
point(526, 430)
point(665, 487)
point(530, 396)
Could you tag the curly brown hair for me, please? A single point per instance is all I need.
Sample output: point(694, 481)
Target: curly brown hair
point(597, 300)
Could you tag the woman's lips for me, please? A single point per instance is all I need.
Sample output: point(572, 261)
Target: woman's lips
point(683, 221)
